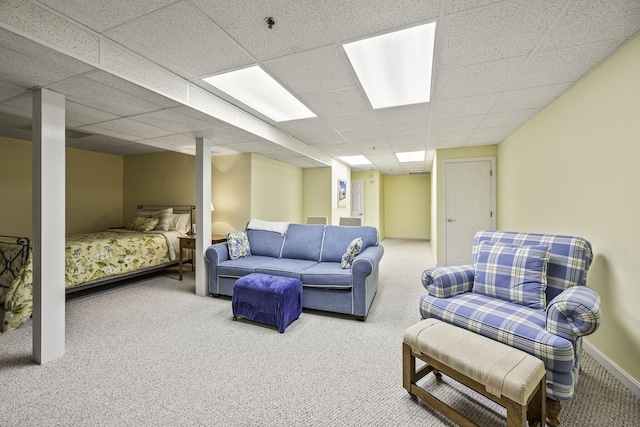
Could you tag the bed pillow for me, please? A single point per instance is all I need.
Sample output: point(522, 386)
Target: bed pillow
point(139, 223)
point(513, 273)
point(353, 250)
point(238, 244)
point(180, 222)
point(164, 217)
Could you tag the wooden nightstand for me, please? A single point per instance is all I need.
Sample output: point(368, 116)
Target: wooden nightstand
point(189, 242)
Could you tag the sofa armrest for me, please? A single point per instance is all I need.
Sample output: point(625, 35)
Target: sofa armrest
point(574, 313)
point(217, 253)
point(371, 256)
point(445, 282)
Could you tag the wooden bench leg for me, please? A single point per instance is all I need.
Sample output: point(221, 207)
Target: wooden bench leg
point(537, 407)
point(553, 410)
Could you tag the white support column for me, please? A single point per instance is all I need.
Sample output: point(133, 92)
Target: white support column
point(203, 214)
point(48, 206)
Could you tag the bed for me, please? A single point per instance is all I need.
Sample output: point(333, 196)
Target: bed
point(149, 243)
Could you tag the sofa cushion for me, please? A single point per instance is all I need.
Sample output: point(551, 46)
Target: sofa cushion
point(512, 324)
point(303, 241)
point(337, 239)
point(242, 266)
point(238, 245)
point(328, 275)
point(512, 273)
point(265, 243)
point(286, 267)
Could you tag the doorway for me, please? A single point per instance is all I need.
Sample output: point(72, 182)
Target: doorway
point(469, 205)
point(357, 199)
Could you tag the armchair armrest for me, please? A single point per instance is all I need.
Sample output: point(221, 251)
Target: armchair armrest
point(574, 313)
point(445, 282)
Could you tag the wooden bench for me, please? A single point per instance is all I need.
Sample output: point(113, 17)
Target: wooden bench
point(508, 376)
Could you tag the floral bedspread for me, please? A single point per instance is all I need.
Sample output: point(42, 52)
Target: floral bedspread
point(91, 257)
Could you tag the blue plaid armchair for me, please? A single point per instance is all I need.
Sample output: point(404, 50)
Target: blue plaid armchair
point(527, 291)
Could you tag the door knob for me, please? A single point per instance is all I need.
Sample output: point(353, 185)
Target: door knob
point(451, 220)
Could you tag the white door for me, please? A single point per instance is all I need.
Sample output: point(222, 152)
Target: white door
point(357, 198)
point(469, 205)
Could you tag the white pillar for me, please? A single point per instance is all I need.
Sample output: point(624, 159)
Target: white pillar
point(48, 206)
point(203, 213)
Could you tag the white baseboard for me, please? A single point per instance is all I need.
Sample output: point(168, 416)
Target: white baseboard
point(407, 237)
point(612, 368)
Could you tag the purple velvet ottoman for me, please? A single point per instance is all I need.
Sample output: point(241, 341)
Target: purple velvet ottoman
point(273, 300)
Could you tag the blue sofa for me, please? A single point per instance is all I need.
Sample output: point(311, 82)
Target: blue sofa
point(552, 332)
point(311, 253)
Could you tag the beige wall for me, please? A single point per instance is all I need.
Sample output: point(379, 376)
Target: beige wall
point(230, 192)
point(438, 185)
point(276, 190)
point(166, 178)
point(373, 206)
point(317, 190)
point(93, 189)
point(573, 169)
point(407, 206)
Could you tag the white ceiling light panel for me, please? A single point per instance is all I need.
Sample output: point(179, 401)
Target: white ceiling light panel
point(395, 68)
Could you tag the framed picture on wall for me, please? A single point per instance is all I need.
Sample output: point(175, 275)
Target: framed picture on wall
point(342, 193)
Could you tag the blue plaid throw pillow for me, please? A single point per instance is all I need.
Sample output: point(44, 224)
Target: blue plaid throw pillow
point(512, 273)
point(238, 244)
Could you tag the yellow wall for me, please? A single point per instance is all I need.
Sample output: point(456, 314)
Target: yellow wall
point(230, 192)
point(573, 169)
point(93, 189)
point(441, 156)
point(317, 190)
point(407, 206)
point(276, 190)
point(166, 178)
point(373, 205)
point(339, 171)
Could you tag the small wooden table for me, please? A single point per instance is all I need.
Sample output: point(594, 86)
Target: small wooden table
point(189, 242)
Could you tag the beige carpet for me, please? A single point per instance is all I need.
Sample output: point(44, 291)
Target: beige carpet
point(154, 354)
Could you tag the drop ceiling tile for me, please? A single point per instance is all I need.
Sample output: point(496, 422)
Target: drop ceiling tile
point(321, 138)
point(562, 66)
point(176, 141)
point(335, 102)
point(479, 79)
point(123, 85)
point(369, 142)
point(100, 15)
point(316, 70)
point(451, 136)
point(403, 114)
point(592, 21)
point(8, 91)
point(171, 120)
point(474, 142)
point(92, 93)
point(395, 141)
point(523, 99)
point(496, 132)
point(86, 115)
point(193, 42)
point(298, 25)
point(494, 32)
point(454, 6)
point(134, 130)
point(415, 146)
point(102, 141)
point(508, 118)
point(455, 123)
point(357, 18)
point(365, 119)
point(459, 107)
point(12, 121)
point(17, 133)
point(20, 112)
point(304, 126)
point(19, 70)
point(134, 149)
point(200, 116)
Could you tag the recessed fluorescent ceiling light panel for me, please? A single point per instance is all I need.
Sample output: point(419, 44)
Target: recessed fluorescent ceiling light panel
point(410, 156)
point(356, 160)
point(395, 68)
point(255, 88)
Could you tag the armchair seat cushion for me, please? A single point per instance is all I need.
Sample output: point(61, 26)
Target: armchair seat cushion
point(512, 324)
